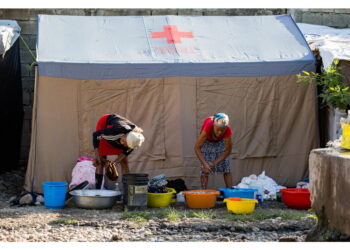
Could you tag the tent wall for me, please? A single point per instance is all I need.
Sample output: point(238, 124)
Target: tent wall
point(273, 121)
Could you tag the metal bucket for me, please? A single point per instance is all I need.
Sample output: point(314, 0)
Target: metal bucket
point(95, 198)
point(135, 187)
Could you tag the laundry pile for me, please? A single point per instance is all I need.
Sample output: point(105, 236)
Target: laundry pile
point(159, 183)
point(265, 185)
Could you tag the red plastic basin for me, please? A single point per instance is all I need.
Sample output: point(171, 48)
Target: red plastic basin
point(297, 198)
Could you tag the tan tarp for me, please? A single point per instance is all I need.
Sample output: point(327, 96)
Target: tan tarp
point(273, 121)
point(329, 188)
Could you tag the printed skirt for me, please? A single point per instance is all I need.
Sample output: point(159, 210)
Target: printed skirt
point(212, 151)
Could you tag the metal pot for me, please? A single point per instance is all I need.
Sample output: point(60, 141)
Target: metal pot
point(95, 198)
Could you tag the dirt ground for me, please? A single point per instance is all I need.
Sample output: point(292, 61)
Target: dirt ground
point(271, 221)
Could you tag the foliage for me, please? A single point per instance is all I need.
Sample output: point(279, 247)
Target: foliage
point(334, 91)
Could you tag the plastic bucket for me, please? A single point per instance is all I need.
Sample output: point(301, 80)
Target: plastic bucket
point(202, 198)
point(161, 199)
point(240, 205)
point(135, 191)
point(54, 194)
point(345, 139)
point(297, 198)
point(239, 193)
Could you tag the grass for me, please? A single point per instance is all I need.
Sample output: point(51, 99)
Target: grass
point(264, 215)
point(65, 222)
point(172, 214)
point(202, 214)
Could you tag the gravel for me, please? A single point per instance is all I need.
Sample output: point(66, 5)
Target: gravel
point(39, 224)
point(71, 224)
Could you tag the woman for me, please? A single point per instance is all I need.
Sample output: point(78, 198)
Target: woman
point(213, 148)
point(114, 135)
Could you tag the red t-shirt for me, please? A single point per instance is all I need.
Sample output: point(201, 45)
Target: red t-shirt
point(208, 128)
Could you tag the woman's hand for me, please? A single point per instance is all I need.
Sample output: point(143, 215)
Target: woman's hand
point(211, 164)
point(207, 169)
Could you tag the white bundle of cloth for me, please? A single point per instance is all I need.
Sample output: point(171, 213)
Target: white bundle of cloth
point(265, 185)
point(332, 43)
point(9, 32)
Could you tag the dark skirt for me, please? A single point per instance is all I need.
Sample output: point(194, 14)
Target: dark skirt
point(212, 151)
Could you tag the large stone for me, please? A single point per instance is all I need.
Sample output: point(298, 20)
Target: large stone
point(321, 10)
point(216, 12)
point(26, 199)
point(343, 11)
point(28, 27)
point(30, 40)
point(296, 14)
point(27, 81)
point(335, 20)
point(27, 97)
point(123, 12)
point(161, 12)
point(329, 172)
point(312, 18)
point(26, 56)
point(190, 12)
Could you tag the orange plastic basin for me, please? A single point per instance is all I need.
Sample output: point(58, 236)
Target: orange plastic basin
point(202, 198)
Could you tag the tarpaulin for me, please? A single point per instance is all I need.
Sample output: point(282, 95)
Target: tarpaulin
point(11, 108)
point(102, 47)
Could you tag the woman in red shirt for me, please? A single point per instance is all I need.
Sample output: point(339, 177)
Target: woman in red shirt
point(114, 135)
point(213, 148)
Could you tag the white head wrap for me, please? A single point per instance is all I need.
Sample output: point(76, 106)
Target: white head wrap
point(134, 139)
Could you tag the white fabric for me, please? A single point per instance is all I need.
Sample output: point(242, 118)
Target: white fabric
point(332, 43)
point(134, 140)
point(264, 184)
point(9, 32)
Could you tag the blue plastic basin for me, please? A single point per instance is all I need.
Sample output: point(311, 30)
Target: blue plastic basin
point(239, 193)
point(54, 194)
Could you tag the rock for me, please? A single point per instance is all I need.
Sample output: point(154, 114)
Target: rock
point(117, 237)
point(225, 239)
point(288, 239)
point(12, 199)
point(26, 199)
point(239, 227)
point(255, 229)
point(39, 198)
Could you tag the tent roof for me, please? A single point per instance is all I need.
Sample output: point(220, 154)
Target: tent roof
point(9, 32)
point(332, 43)
point(100, 47)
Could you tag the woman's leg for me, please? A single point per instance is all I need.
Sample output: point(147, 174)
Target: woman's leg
point(124, 165)
point(99, 172)
point(228, 180)
point(204, 181)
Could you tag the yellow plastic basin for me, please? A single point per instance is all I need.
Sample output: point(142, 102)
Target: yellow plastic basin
point(240, 205)
point(161, 199)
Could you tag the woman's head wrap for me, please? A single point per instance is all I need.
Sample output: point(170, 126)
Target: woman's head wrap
point(221, 120)
point(134, 139)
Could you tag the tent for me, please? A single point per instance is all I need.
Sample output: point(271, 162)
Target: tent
point(330, 44)
point(167, 74)
point(11, 100)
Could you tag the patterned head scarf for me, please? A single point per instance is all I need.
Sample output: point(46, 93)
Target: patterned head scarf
point(221, 120)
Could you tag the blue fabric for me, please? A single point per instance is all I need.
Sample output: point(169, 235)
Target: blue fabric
point(97, 47)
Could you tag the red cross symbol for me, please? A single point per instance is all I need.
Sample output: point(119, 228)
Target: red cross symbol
point(171, 34)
